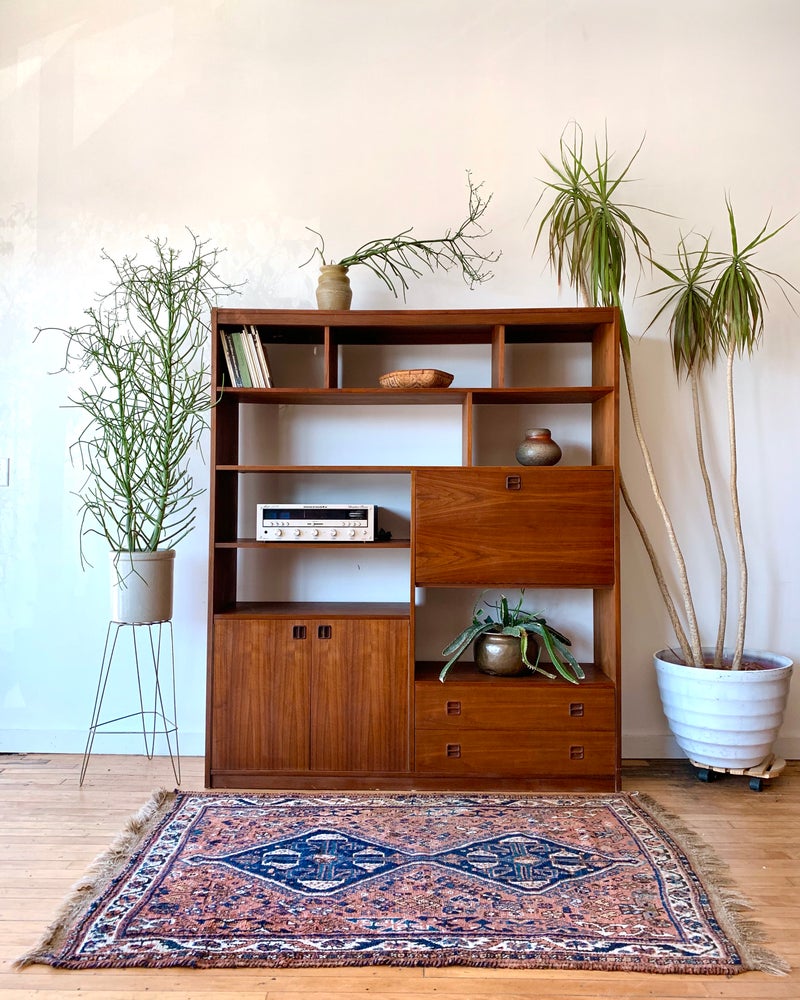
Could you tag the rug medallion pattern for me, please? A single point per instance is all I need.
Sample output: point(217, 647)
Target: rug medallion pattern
point(230, 879)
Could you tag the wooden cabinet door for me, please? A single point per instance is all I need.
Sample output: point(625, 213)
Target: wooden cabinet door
point(261, 683)
point(507, 527)
point(360, 695)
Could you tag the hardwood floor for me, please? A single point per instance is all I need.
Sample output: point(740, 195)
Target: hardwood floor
point(50, 830)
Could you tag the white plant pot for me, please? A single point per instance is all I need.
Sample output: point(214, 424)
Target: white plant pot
point(724, 718)
point(141, 586)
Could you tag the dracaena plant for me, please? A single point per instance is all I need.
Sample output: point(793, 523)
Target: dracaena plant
point(145, 391)
point(715, 301)
point(507, 619)
point(396, 259)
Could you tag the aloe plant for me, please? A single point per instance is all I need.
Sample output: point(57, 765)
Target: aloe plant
point(515, 620)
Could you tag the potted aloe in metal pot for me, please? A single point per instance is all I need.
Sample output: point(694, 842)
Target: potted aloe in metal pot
point(508, 641)
point(724, 704)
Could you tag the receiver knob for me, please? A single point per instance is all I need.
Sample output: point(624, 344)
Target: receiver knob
point(278, 532)
point(332, 532)
point(314, 533)
point(351, 533)
point(296, 532)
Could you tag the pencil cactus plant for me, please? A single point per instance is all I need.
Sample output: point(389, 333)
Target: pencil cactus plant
point(396, 259)
point(145, 390)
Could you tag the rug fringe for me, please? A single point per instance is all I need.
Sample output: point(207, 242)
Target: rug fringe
point(728, 902)
point(100, 873)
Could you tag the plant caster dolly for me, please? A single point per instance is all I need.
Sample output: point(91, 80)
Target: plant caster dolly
point(769, 768)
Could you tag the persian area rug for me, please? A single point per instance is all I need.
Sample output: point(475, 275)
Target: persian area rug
point(548, 881)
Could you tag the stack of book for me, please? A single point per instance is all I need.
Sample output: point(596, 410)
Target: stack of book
point(246, 359)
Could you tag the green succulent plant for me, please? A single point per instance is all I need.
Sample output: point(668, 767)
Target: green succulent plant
point(506, 619)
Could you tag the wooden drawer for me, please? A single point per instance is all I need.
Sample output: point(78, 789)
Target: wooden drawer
point(514, 527)
point(516, 704)
point(513, 753)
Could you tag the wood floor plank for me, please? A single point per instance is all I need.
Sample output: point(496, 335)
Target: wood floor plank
point(51, 830)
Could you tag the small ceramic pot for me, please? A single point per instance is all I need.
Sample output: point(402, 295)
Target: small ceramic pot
point(500, 654)
point(538, 448)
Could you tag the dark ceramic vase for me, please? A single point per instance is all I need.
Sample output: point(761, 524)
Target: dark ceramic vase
point(538, 448)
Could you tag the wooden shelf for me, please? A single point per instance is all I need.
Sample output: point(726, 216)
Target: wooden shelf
point(252, 543)
point(465, 672)
point(314, 609)
point(417, 397)
point(354, 469)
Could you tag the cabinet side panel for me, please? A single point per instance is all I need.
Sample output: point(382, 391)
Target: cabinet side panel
point(260, 697)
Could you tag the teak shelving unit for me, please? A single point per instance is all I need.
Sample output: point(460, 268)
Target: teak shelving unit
point(327, 694)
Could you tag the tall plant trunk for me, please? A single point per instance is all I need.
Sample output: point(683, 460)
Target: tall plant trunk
point(712, 512)
point(696, 657)
point(736, 663)
point(672, 611)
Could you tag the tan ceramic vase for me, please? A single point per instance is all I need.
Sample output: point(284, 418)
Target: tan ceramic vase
point(333, 287)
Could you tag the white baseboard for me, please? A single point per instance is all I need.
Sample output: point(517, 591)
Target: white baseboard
point(43, 741)
point(664, 747)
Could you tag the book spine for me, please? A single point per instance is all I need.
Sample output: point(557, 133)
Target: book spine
point(255, 361)
point(241, 357)
point(261, 355)
point(230, 359)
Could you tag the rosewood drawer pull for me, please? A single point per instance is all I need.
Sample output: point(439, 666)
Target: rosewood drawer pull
point(324, 632)
point(298, 631)
point(453, 750)
point(576, 753)
point(513, 482)
point(452, 707)
point(576, 709)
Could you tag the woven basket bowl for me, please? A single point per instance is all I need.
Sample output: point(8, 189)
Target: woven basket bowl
point(416, 378)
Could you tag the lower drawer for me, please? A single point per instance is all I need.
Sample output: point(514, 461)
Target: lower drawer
point(513, 753)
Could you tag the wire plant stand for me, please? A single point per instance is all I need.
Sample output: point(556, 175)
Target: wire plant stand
point(161, 719)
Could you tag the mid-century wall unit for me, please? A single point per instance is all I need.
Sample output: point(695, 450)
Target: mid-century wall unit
point(323, 668)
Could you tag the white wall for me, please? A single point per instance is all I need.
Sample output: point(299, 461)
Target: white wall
point(248, 120)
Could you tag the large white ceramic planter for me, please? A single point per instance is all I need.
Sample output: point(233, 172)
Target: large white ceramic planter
point(724, 718)
point(141, 586)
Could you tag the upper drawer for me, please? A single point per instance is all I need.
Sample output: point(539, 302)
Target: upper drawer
point(514, 527)
point(518, 703)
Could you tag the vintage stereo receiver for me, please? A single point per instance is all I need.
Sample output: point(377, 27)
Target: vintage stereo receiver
point(322, 522)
